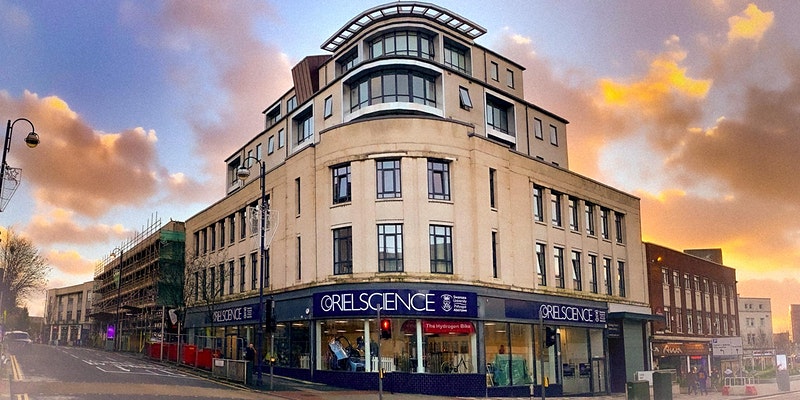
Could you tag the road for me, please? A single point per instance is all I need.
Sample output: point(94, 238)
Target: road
point(66, 373)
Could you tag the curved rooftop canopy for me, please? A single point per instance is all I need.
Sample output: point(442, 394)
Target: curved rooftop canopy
point(403, 9)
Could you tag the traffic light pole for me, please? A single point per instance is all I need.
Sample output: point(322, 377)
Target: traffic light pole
point(542, 349)
point(380, 370)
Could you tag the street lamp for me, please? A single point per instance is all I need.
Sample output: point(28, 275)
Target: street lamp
point(32, 140)
point(117, 330)
point(243, 172)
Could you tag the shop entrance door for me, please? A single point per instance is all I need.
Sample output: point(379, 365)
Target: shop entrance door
point(598, 375)
point(233, 347)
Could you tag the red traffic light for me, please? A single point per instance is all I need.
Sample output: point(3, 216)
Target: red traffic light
point(386, 329)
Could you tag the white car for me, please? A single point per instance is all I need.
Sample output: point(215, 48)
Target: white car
point(16, 340)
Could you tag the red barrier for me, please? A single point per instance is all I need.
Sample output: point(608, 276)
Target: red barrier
point(189, 354)
point(726, 390)
point(172, 351)
point(750, 390)
point(204, 359)
point(154, 351)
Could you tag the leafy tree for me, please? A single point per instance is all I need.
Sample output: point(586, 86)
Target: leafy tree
point(25, 273)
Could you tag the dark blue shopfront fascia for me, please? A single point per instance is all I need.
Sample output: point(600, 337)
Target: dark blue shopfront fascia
point(556, 313)
point(226, 314)
point(396, 302)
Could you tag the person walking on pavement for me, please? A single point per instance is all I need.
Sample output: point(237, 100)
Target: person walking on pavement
point(691, 381)
point(702, 380)
point(250, 357)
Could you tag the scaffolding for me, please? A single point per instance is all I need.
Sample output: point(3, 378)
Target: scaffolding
point(149, 272)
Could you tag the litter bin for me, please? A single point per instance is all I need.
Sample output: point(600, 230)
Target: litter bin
point(662, 385)
point(638, 390)
point(782, 378)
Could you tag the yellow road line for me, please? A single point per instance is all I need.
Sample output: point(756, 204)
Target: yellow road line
point(15, 370)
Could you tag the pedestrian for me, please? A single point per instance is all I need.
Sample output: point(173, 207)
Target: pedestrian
point(702, 381)
point(250, 356)
point(691, 381)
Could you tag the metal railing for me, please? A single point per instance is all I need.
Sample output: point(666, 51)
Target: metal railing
point(739, 381)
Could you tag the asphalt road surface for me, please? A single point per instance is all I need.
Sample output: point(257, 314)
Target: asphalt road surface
point(65, 373)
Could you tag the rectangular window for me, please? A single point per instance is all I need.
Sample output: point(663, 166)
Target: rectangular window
point(593, 273)
point(204, 283)
point(537, 128)
point(297, 195)
point(607, 273)
point(242, 270)
point(273, 115)
point(604, 223)
point(456, 57)
point(590, 219)
point(212, 287)
point(441, 243)
point(678, 321)
point(271, 145)
point(573, 214)
point(510, 78)
point(258, 152)
point(390, 248)
point(291, 104)
point(621, 278)
point(196, 286)
point(464, 99)
point(213, 237)
point(555, 208)
point(577, 283)
point(231, 274)
point(299, 258)
point(221, 279)
point(619, 226)
point(341, 184)
point(541, 266)
point(494, 255)
point(388, 176)
point(328, 107)
point(243, 223)
point(232, 228)
point(558, 264)
point(348, 61)
point(222, 233)
point(304, 124)
point(667, 320)
point(253, 271)
point(553, 135)
point(438, 179)
point(343, 251)
point(492, 187)
point(494, 71)
point(538, 206)
point(281, 139)
point(497, 114)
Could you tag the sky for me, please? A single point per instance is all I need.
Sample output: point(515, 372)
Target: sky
point(692, 106)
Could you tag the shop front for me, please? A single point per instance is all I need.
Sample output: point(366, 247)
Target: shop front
point(682, 356)
point(442, 340)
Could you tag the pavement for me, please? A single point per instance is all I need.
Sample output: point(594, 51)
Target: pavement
point(292, 389)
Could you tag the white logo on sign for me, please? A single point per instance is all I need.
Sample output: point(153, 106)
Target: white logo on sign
point(447, 302)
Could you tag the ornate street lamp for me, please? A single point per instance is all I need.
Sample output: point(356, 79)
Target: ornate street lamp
point(32, 140)
point(243, 172)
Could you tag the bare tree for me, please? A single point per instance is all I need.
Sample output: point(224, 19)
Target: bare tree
point(25, 270)
point(203, 287)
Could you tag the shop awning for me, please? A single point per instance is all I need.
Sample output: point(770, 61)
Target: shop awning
point(632, 316)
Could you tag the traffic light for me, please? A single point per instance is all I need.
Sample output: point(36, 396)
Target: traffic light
point(386, 329)
point(549, 336)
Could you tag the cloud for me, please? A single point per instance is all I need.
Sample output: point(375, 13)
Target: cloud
point(70, 262)
point(59, 226)
point(232, 77)
point(750, 24)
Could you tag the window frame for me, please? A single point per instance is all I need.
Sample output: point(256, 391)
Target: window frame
point(463, 97)
point(577, 278)
point(327, 107)
point(440, 240)
point(343, 250)
point(388, 167)
point(385, 238)
point(342, 183)
point(439, 179)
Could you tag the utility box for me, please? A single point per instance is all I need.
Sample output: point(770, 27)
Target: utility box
point(782, 378)
point(638, 390)
point(662, 385)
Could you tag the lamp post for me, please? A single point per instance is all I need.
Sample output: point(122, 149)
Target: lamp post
point(117, 330)
point(32, 140)
point(243, 172)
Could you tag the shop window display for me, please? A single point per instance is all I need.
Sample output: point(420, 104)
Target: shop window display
point(509, 353)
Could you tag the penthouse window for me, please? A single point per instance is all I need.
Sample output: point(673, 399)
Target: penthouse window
point(273, 115)
point(497, 114)
point(456, 56)
point(393, 85)
point(304, 126)
point(348, 61)
point(402, 43)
